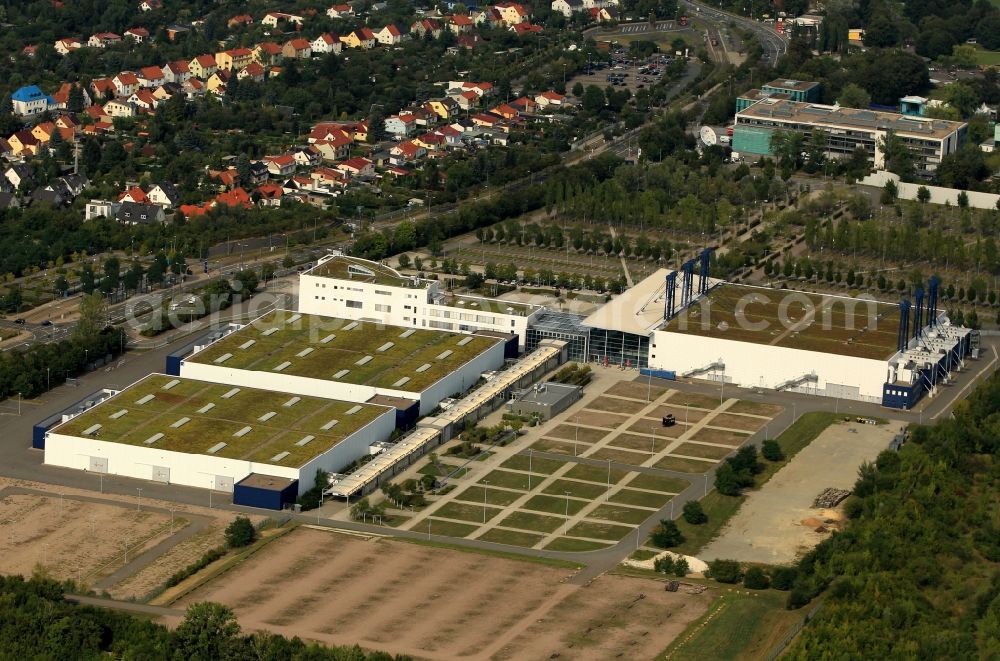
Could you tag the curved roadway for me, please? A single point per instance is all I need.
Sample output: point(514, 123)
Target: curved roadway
point(773, 43)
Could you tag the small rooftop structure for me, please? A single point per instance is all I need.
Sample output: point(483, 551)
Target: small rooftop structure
point(546, 399)
point(344, 267)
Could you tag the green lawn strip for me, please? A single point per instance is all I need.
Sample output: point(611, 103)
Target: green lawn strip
point(395, 520)
point(448, 528)
point(558, 447)
point(620, 514)
point(643, 554)
point(465, 512)
point(693, 399)
point(597, 474)
point(512, 537)
point(554, 505)
point(721, 508)
point(596, 530)
point(736, 626)
point(620, 456)
point(754, 408)
point(640, 498)
point(538, 464)
point(657, 483)
point(569, 545)
point(575, 488)
point(493, 496)
point(671, 463)
point(700, 450)
point(508, 555)
point(509, 480)
point(529, 521)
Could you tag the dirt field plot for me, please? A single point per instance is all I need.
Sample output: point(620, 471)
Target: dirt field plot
point(657, 483)
point(755, 408)
point(507, 480)
point(529, 521)
point(561, 505)
point(620, 456)
point(630, 516)
point(570, 448)
point(466, 512)
point(594, 530)
point(493, 495)
point(539, 465)
point(682, 465)
point(576, 489)
point(681, 412)
point(411, 603)
point(597, 419)
point(736, 421)
point(598, 474)
point(73, 539)
point(636, 390)
point(699, 450)
point(642, 442)
point(512, 537)
point(777, 523)
point(571, 545)
point(640, 498)
point(720, 436)
point(575, 432)
point(694, 399)
point(645, 426)
point(447, 528)
point(616, 404)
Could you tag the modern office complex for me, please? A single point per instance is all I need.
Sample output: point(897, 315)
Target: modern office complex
point(846, 129)
point(354, 288)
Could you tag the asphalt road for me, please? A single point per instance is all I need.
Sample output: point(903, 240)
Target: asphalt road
point(774, 44)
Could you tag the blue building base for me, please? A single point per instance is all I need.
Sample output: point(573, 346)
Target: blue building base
point(265, 492)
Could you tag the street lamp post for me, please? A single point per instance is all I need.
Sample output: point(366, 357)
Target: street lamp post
point(652, 441)
point(609, 474)
point(529, 469)
point(486, 489)
point(567, 503)
point(138, 504)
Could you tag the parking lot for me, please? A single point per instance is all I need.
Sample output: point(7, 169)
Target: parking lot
point(624, 72)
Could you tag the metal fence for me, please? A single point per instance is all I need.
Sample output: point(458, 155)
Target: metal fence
point(787, 640)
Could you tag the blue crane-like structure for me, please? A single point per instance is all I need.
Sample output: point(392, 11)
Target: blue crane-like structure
point(903, 336)
point(669, 301)
point(932, 296)
point(687, 289)
point(703, 275)
point(918, 312)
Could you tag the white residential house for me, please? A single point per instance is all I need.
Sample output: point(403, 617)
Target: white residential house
point(119, 108)
point(400, 125)
point(390, 35)
point(100, 209)
point(340, 11)
point(126, 83)
point(326, 43)
point(165, 195)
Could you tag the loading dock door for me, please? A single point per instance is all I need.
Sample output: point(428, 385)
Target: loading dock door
point(161, 474)
point(223, 483)
point(99, 464)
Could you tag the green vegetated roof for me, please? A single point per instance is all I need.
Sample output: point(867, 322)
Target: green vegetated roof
point(363, 270)
point(357, 352)
point(476, 303)
point(836, 324)
point(186, 415)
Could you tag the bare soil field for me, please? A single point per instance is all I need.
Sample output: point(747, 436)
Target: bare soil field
point(615, 617)
point(778, 523)
point(736, 421)
point(694, 399)
point(683, 465)
point(560, 447)
point(636, 390)
point(573, 432)
point(692, 415)
point(721, 436)
point(643, 442)
point(615, 404)
point(597, 419)
point(701, 450)
point(71, 539)
point(441, 604)
point(645, 425)
point(619, 456)
point(755, 408)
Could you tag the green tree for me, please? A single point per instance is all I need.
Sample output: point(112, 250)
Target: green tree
point(667, 535)
point(240, 533)
point(209, 632)
point(93, 312)
point(756, 579)
point(771, 450)
point(923, 195)
point(854, 96)
point(694, 513)
point(724, 571)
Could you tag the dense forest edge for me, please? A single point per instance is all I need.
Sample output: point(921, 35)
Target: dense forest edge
point(915, 572)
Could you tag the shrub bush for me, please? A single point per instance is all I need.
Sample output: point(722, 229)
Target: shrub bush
point(724, 571)
point(771, 450)
point(694, 514)
point(667, 535)
point(756, 579)
point(782, 578)
point(205, 560)
point(240, 533)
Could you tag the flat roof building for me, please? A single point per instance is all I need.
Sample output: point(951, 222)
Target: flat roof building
point(345, 359)
point(846, 129)
point(210, 435)
point(796, 90)
point(546, 399)
point(360, 289)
